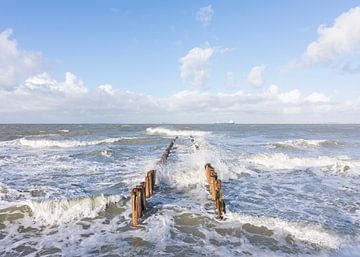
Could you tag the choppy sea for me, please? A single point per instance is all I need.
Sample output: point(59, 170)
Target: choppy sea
point(290, 190)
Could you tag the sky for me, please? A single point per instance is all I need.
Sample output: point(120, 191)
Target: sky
point(180, 61)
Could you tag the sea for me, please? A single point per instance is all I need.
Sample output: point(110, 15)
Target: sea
point(290, 190)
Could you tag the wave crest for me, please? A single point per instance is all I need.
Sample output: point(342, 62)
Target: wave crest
point(281, 161)
point(312, 233)
point(40, 143)
point(64, 210)
point(303, 143)
point(170, 132)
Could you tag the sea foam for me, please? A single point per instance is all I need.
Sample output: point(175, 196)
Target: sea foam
point(170, 132)
point(312, 233)
point(52, 212)
point(303, 143)
point(40, 143)
point(281, 161)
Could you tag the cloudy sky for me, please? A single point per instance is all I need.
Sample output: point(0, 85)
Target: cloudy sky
point(180, 61)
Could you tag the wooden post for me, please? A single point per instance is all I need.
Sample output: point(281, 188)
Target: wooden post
point(147, 186)
point(208, 168)
point(142, 196)
point(213, 178)
point(134, 217)
point(218, 201)
point(219, 188)
point(138, 202)
point(142, 184)
point(149, 176)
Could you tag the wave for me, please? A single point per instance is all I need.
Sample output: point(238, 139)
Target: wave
point(303, 143)
point(312, 233)
point(54, 212)
point(281, 161)
point(170, 132)
point(64, 130)
point(40, 143)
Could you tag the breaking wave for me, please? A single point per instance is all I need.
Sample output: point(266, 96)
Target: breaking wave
point(281, 161)
point(63, 211)
point(312, 233)
point(170, 132)
point(303, 143)
point(40, 143)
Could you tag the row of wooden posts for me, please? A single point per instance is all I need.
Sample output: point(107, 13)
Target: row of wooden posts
point(215, 190)
point(145, 190)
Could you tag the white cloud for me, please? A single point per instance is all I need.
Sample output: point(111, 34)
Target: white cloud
point(107, 88)
point(316, 97)
point(342, 38)
point(16, 64)
point(292, 96)
point(255, 76)
point(273, 90)
point(44, 83)
point(205, 14)
point(42, 98)
point(51, 98)
point(194, 65)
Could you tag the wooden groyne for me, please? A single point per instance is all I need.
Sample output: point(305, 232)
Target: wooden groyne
point(146, 189)
point(215, 187)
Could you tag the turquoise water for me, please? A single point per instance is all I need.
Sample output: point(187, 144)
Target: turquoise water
point(291, 190)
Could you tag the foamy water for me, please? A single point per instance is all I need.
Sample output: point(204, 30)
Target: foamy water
point(291, 190)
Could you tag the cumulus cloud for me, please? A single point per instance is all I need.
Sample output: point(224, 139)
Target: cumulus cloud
point(292, 96)
point(342, 38)
point(204, 15)
point(42, 98)
point(15, 63)
point(255, 76)
point(194, 65)
point(316, 97)
point(107, 88)
point(70, 100)
point(44, 83)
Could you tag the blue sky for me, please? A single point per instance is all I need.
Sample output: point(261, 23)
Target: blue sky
point(136, 49)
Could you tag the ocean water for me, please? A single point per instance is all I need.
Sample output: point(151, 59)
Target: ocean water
point(291, 190)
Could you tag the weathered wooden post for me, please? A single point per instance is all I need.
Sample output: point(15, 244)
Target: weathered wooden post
point(147, 186)
point(142, 184)
point(134, 216)
point(208, 168)
point(142, 196)
point(149, 175)
point(213, 178)
point(138, 202)
point(218, 199)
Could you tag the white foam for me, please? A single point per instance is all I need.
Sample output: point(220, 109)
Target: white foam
point(64, 210)
point(64, 130)
point(281, 161)
point(170, 132)
point(106, 153)
point(40, 143)
point(312, 233)
point(303, 143)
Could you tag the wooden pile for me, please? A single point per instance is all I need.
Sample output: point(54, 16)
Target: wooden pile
point(145, 190)
point(215, 190)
